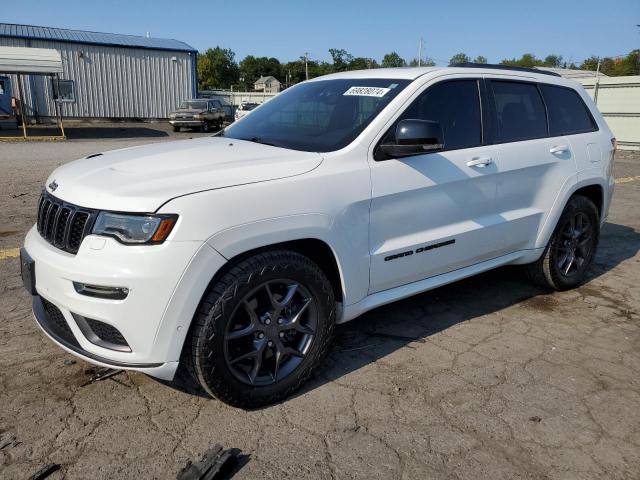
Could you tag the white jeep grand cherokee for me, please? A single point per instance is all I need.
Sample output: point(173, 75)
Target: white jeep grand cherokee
point(228, 260)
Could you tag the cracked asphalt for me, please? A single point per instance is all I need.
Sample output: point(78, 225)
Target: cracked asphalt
point(486, 378)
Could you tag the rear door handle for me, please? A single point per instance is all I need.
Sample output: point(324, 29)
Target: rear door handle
point(559, 149)
point(479, 162)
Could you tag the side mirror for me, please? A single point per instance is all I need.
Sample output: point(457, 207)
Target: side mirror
point(414, 137)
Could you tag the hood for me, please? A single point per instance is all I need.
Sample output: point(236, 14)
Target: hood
point(141, 179)
point(189, 111)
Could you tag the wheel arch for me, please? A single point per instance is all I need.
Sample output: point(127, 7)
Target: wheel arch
point(595, 193)
point(593, 189)
point(315, 249)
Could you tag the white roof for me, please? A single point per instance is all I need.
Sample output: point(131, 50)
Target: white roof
point(29, 60)
point(411, 73)
point(622, 80)
point(572, 72)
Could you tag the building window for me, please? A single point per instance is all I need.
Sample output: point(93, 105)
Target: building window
point(64, 90)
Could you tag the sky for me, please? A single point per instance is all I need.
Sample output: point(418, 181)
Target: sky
point(285, 29)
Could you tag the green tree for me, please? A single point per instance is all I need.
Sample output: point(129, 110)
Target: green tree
point(527, 60)
point(252, 68)
point(296, 69)
point(459, 58)
point(341, 59)
point(361, 63)
point(553, 61)
point(590, 63)
point(391, 60)
point(426, 62)
point(613, 67)
point(217, 69)
point(480, 59)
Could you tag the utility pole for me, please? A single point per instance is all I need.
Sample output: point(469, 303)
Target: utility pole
point(420, 53)
point(597, 86)
point(306, 65)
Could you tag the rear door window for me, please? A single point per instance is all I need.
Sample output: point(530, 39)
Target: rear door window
point(520, 112)
point(567, 112)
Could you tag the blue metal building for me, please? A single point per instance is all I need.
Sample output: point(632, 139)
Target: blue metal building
point(106, 75)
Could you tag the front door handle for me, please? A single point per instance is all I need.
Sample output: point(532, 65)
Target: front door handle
point(559, 149)
point(479, 162)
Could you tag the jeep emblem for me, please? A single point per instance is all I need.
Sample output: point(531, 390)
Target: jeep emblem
point(53, 185)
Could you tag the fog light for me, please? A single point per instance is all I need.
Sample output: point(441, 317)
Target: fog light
point(99, 291)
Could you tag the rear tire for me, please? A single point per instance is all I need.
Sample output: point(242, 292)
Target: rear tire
point(205, 127)
point(261, 329)
point(176, 129)
point(571, 249)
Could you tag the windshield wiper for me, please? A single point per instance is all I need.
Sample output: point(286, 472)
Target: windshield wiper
point(259, 140)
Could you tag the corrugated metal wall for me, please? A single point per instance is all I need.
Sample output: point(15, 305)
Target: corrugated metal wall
point(619, 102)
point(111, 82)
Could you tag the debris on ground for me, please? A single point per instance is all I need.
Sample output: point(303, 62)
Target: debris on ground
point(8, 440)
point(45, 471)
point(393, 336)
point(362, 347)
point(100, 373)
point(68, 362)
point(535, 419)
point(216, 464)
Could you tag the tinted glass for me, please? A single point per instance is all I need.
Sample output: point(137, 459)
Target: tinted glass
point(567, 111)
point(318, 116)
point(456, 106)
point(520, 111)
point(194, 105)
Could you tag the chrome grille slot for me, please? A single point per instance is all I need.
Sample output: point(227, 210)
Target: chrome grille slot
point(63, 224)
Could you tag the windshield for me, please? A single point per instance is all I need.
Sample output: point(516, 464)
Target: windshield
point(194, 105)
point(319, 116)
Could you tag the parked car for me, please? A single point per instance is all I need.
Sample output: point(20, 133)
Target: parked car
point(243, 109)
point(228, 260)
point(198, 113)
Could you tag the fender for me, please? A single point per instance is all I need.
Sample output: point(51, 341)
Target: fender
point(571, 186)
point(353, 268)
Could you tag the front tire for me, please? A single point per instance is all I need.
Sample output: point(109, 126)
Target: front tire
point(261, 329)
point(571, 249)
point(205, 127)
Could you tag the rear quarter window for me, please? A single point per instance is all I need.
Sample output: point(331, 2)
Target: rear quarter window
point(568, 113)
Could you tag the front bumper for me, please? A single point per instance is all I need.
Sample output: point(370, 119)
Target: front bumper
point(186, 123)
point(165, 284)
point(65, 340)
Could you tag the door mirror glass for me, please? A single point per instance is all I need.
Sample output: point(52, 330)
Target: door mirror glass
point(415, 137)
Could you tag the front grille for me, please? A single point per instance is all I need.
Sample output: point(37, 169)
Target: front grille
point(63, 224)
point(106, 332)
point(58, 324)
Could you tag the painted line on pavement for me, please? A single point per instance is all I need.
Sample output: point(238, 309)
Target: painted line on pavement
point(9, 253)
point(628, 179)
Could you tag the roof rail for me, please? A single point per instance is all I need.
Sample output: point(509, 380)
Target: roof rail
point(504, 67)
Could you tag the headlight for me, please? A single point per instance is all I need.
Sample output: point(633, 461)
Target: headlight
point(134, 229)
point(197, 116)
